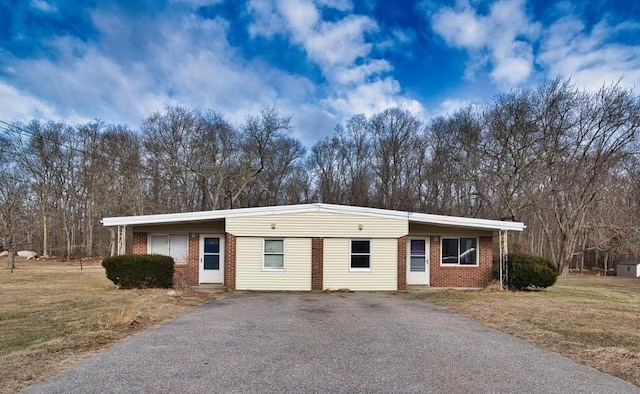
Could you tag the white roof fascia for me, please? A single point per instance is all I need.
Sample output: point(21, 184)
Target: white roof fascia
point(201, 215)
point(240, 212)
point(457, 221)
point(303, 208)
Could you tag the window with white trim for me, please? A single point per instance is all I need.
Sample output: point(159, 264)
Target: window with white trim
point(273, 254)
point(360, 254)
point(174, 245)
point(459, 251)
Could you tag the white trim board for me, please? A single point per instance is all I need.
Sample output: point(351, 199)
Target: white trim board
point(453, 221)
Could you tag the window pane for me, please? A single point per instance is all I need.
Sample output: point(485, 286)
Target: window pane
point(468, 251)
point(273, 261)
point(178, 247)
point(212, 245)
point(159, 245)
point(417, 264)
point(273, 246)
point(418, 246)
point(360, 247)
point(212, 261)
point(449, 251)
point(359, 261)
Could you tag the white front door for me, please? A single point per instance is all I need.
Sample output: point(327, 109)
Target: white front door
point(418, 261)
point(211, 259)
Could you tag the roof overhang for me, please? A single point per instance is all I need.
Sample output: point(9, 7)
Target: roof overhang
point(457, 221)
point(451, 221)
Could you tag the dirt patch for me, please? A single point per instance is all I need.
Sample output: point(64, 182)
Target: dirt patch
point(593, 320)
point(54, 315)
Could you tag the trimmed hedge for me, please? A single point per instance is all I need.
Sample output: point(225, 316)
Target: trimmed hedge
point(140, 271)
point(529, 271)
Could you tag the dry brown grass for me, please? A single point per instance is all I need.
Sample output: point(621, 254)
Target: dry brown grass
point(53, 315)
point(593, 320)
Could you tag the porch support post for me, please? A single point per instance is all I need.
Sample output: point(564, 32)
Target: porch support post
point(504, 253)
point(122, 240)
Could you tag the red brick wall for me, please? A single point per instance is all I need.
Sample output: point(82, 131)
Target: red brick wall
point(139, 243)
point(460, 276)
point(317, 256)
point(402, 264)
point(185, 275)
point(230, 262)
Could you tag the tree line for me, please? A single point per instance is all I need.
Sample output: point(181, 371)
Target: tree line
point(561, 159)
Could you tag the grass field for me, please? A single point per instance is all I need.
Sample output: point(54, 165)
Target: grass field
point(53, 315)
point(592, 320)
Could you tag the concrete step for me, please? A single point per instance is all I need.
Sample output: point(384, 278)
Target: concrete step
point(420, 289)
point(211, 288)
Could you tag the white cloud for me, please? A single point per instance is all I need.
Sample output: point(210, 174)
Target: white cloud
point(43, 6)
point(182, 60)
point(372, 97)
point(503, 38)
point(450, 106)
point(137, 65)
point(268, 21)
point(20, 106)
point(357, 83)
point(196, 3)
point(340, 5)
point(591, 58)
point(359, 74)
point(300, 16)
point(339, 43)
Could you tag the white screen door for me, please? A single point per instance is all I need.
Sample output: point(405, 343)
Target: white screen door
point(418, 261)
point(211, 259)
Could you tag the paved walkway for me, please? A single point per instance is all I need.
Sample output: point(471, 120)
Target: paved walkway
point(327, 343)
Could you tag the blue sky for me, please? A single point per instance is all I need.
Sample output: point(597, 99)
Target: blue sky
point(321, 61)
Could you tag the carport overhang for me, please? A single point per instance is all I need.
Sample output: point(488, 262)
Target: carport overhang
point(499, 227)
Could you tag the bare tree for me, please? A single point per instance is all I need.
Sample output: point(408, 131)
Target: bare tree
point(13, 192)
point(396, 157)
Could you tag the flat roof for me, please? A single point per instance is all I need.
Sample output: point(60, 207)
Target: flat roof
point(627, 263)
point(452, 221)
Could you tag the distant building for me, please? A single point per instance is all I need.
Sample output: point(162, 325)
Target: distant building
point(628, 268)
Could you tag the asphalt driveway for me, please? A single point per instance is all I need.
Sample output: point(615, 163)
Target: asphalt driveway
point(341, 343)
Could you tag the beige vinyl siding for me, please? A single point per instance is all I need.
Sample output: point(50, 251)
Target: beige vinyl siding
point(421, 229)
point(210, 227)
point(297, 265)
point(317, 224)
point(384, 265)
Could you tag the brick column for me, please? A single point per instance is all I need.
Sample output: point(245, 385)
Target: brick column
point(486, 262)
point(230, 262)
point(188, 274)
point(317, 256)
point(139, 243)
point(402, 264)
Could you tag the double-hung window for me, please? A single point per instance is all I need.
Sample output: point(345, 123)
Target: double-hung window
point(174, 245)
point(273, 255)
point(360, 255)
point(460, 251)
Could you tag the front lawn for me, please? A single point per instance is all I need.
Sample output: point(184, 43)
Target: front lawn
point(53, 315)
point(593, 320)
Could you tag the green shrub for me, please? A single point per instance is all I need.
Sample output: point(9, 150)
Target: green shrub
point(529, 271)
point(139, 270)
